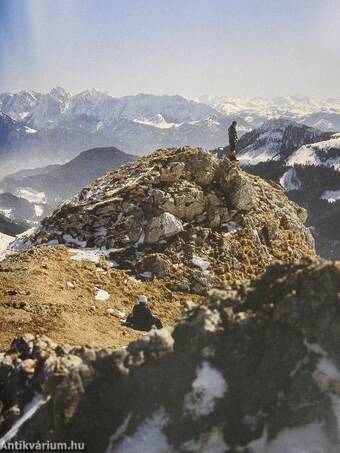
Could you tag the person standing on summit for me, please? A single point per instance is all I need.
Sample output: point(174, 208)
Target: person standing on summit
point(233, 139)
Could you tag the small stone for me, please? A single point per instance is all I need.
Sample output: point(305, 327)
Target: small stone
point(102, 295)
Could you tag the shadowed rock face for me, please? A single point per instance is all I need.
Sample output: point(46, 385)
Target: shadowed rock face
point(203, 220)
point(254, 369)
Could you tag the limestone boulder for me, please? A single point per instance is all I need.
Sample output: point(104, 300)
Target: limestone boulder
point(162, 227)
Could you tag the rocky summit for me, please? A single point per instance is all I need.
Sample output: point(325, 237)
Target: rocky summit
point(254, 369)
point(184, 216)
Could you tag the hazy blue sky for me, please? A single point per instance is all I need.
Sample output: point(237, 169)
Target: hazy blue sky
point(189, 47)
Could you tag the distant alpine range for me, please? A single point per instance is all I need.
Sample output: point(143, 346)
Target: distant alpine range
point(55, 127)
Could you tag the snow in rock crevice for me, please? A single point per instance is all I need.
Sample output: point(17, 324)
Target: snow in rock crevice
point(208, 386)
point(290, 181)
point(148, 437)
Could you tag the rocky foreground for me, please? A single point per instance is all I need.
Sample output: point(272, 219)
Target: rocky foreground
point(251, 365)
point(185, 216)
point(256, 368)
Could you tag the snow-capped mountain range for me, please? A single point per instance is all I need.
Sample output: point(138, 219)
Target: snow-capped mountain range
point(62, 125)
point(323, 114)
point(12, 131)
point(54, 127)
point(54, 108)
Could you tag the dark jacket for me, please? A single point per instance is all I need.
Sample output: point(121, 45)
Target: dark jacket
point(142, 318)
point(233, 138)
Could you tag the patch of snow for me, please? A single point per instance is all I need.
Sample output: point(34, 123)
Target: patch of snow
point(304, 155)
point(157, 121)
point(328, 369)
point(315, 347)
point(331, 195)
point(304, 439)
point(39, 210)
point(327, 376)
point(316, 154)
point(208, 386)
point(92, 255)
point(5, 240)
point(53, 242)
point(7, 212)
point(29, 410)
point(71, 240)
point(102, 295)
point(290, 181)
point(256, 156)
point(200, 262)
point(23, 241)
point(146, 274)
point(29, 130)
point(325, 372)
point(102, 231)
point(148, 437)
point(266, 146)
point(31, 195)
point(232, 227)
point(141, 239)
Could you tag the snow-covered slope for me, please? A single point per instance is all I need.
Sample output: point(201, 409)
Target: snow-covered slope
point(326, 152)
point(12, 132)
point(5, 240)
point(331, 195)
point(275, 139)
point(290, 180)
point(18, 208)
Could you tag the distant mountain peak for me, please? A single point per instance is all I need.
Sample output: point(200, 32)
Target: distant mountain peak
point(276, 139)
point(59, 93)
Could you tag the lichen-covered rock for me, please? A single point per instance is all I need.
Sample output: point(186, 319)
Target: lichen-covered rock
point(182, 203)
point(255, 369)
